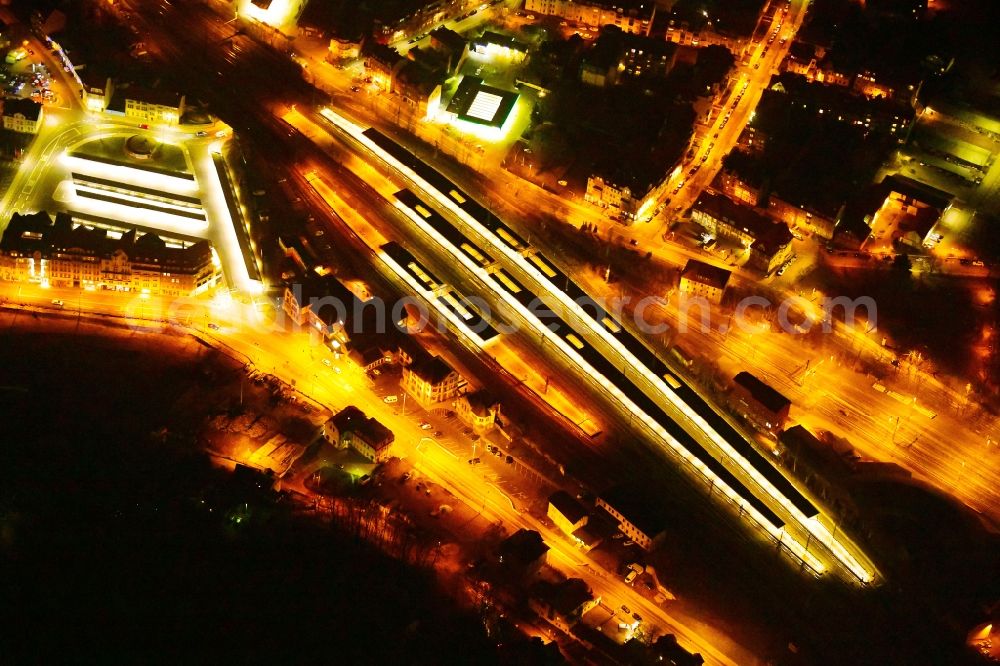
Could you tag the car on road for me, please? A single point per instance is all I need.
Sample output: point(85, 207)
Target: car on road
point(438, 433)
point(355, 89)
point(390, 399)
point(630, 576)
point(143, 126)
point(58, 302)
point(212, 325)
point(425, 426)
point(326, 362)
point(626, 610)
point(201, 133)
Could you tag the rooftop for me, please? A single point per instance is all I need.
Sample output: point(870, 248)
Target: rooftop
point(638, 507)
point(768, 236)
point(497, 39)
point(479, 103)
point(28, 108)
point(159, 96)
point(761, 392)
point(699, 271)
point(914, 189)
point(836, 459)
point(448, 38)
point(522, 548)
point(353, 420)
point(564, 597)
point(432, 370)
point(27, 234)
point(568, 506)
point(481, 402)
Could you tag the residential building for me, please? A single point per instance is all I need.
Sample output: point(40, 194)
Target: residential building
point(624, 188)
point(399, 19)
point(343, 50)
point(759, 403)
point(420, 86)
point(22, 115)
point(729, 26)
point(351, 428)
point(522, 554)
point(814, 62)
point(769, 243)
point(432, 381)
point(96, 91)
point(637, 515)
point(381, 63)
point(479, 410)
point(635, 16)
point(409, 351)
point(452, 45)
point(153, 105)
point(566, 512)
point(617, 55)
point(704, 280)
point(563, 603)
point(64, 253)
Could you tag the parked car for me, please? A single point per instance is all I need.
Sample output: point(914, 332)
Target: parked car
point(390, 399)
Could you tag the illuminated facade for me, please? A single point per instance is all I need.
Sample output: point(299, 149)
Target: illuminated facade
point(65, 254)
point(479, 410)
point(400, 19)
point(769, 243)
point(625, 198)
point(637, 516)
point(279, 14)
point(432, 381)
point(759, 403)
point(566, 512)
point(704, 280)
point(381, 63)
point(635, 16)
point(683, 34)
point(351, 428)
point(495, 45)
point(96, 91)
point(153, 106)
point(22, 115)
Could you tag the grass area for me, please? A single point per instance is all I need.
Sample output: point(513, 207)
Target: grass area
point(164, 156)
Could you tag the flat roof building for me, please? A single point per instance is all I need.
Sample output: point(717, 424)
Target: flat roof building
point(476, 102)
